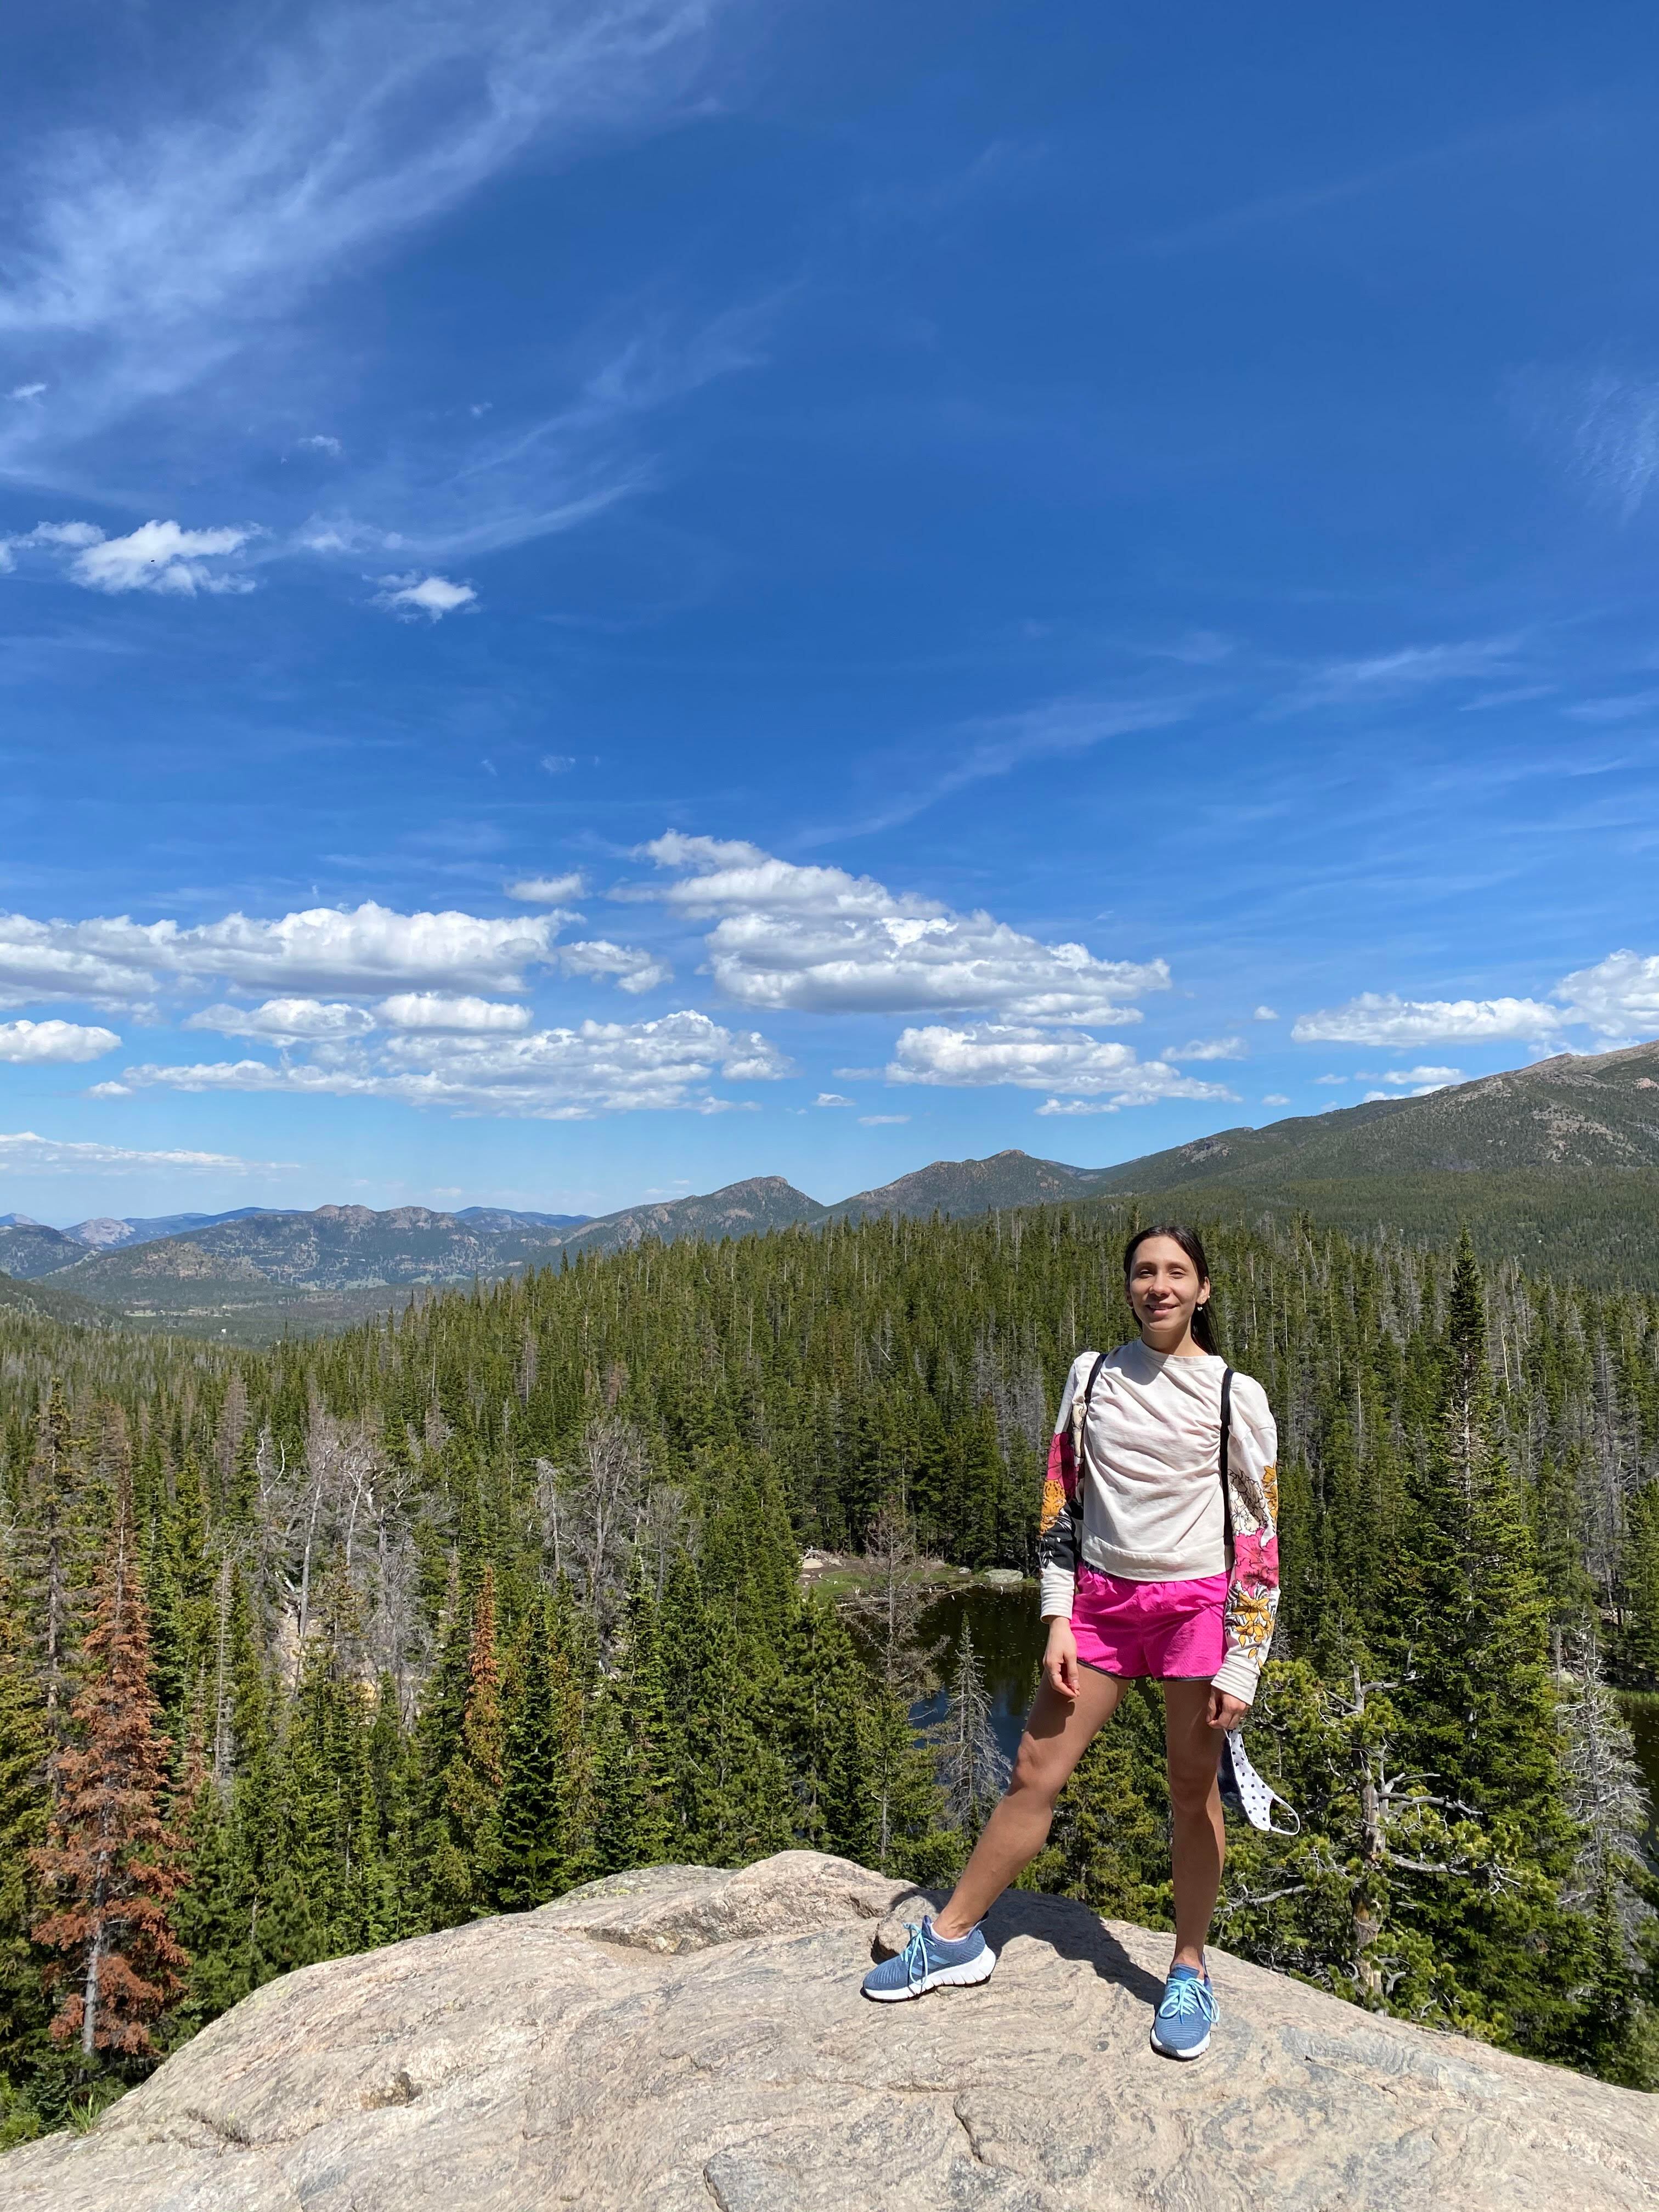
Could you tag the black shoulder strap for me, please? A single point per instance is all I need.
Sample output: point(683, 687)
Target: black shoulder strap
point(1227, 1454)
point(1082, 1425)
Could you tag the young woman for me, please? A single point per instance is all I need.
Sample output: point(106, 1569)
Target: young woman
point(1139, 1582)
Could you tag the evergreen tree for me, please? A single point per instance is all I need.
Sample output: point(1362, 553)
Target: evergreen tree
point(1636, 1637)
point(972, 1767)
point(23, 1825)
point(109, 1870)
point(535, 1773)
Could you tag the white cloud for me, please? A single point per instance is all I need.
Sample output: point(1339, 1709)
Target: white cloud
point(546, 890)
point(54, 1042)
point(1333, 1078)
point(1407, 1079)
point(414, 595)
point(1208, 1049)
point(26, 392)
point(24, 1153)
point(146, 257)
point(818, 941)
point(161, 557)
point(558, 1074)
point(362, 951)
point(1274, 1098)
point(434, 1011)
point(1381, 1018)
point(1265, 1014)
point(881, 1121)
point(322, 443)
point(634, 970)
point(1380, 677)
point(286, 1021)
point(1617, 997)
point(832, 1098)
point(1041, 1060)
point(557, 763)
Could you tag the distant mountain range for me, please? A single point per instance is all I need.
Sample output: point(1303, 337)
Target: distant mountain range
point(1558, 1163)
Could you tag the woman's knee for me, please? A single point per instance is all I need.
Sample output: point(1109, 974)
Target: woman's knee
point(1192, 1785)
point(1036, 1774)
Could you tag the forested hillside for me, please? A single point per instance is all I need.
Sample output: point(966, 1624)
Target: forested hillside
point(306, 1650)
point(1556, 1165)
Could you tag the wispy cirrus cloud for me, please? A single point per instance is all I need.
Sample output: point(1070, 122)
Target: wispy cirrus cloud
point(152, 252)
point(167, 263)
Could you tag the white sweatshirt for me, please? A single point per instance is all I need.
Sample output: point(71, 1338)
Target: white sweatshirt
point(1146, 1503)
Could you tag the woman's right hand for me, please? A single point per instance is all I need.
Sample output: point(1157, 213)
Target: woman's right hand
point(1059, 1660)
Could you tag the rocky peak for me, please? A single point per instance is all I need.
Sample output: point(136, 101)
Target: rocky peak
point(694, 2040)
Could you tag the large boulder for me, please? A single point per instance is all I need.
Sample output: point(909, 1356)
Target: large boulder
point(688, 2040)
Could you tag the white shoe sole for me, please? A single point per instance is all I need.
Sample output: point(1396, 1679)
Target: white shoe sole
point(1195, 2050)
point(946, 1977)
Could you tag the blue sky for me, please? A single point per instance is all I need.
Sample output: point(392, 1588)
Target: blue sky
point(606, 596)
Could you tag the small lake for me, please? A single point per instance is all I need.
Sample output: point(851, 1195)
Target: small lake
point(1008, 1637)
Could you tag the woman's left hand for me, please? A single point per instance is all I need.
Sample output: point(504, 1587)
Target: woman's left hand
point(1225, 1712)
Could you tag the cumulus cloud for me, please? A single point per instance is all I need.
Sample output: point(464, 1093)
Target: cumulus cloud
point(832, 1098)
point(546, 890)
point(368, 948)
point(819, 940)
point(634, 970)
point(1208, 1049)
point(881, 1121)
point(1110, 1075)
point(54, 1042)
point(1617, 997)
point(1409, 1079)
point(414, 596)
point(286, 1021)
point(157, 557)
point(1274, 1098)
point(23, 1152)
point(1265, 1014)
point(557, 1074)
point(1383, 1017)
point(320, 442)
point(435, 1011)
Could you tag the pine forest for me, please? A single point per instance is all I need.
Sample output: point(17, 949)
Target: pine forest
point(306, 1650)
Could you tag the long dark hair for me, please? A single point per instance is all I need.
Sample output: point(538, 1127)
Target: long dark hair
point(1193, 1245)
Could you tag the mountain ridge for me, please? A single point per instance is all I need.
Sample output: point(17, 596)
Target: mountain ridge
point(1561, 1159)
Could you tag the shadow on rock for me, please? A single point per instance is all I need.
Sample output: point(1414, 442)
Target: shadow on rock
point(1068, 1929)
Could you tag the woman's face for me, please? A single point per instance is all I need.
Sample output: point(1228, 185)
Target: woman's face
point(1165, 1289)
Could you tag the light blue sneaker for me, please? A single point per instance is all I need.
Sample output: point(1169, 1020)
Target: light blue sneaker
point(1186, 2012)
point(930, 1962)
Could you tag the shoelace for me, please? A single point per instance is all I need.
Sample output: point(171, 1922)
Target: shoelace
point(916, 1956)
point(1188, 1995)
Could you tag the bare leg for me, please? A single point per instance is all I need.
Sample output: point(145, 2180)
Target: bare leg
point(1198, 1842)
point(1058, 1733)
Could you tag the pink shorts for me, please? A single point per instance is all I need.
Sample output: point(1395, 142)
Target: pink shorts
point(1165, 1631)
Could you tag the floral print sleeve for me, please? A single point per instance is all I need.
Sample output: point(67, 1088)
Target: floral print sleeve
point(1060, 1527)
point(1253, 1574)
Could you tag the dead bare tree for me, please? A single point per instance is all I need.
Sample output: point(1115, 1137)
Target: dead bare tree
point(592, 1510)
point(887, 1609)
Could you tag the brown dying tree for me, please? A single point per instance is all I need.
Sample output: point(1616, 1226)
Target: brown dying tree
point(111, 1866)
